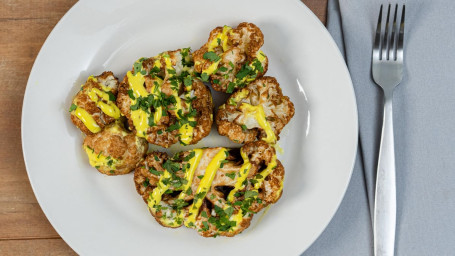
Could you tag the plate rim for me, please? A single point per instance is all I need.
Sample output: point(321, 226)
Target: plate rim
point(310, 14)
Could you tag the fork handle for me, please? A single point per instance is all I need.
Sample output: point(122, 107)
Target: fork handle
point(385, 195)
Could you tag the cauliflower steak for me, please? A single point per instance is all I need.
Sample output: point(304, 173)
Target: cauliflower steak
point(232, 58)
point(94, 107)
point(114, 150)
point(213, 190)
point(164, 102)
point(256, 112)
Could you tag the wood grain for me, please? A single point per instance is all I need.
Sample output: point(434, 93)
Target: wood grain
point(36, 247)
point(24, 26)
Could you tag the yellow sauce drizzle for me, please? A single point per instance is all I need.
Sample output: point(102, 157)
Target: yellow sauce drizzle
point(97, 96)
point(157, 193)
point(108, 108)
point(260, 55)
point(244, 171)
point(259, 115)
point(270, 167)
point(159, 110)
point(189, 174)
point(243, 174)
point(97, 160)
point(205, 184)
point(94, 79)
point(238, 217)
point(211, 69)
point(223, 38)
point(87, 119)
point(239, 95)
point(139, 116)
point(157, 63)
point(167, 60)
point(278, 148)
point(186, 132)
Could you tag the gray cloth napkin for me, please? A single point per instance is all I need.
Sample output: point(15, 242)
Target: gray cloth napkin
point(424, 119)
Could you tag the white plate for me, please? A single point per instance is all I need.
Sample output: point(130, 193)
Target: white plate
point(100, 215)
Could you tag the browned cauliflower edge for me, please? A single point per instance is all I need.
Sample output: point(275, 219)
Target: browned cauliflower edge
point(231, 58)
point(164, 102)
point(94, 107)
point(114, 150)
point(256, 112)
point(215, 191)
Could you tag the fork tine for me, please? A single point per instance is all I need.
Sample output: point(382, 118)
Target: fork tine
point(385, 53)
point(401, 37)
point(378, 38)
point(392, 42)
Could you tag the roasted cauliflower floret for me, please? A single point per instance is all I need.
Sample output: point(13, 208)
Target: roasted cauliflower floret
point(256, 112)
point(94, 107)
point(164, 102)
point(114, 150)
point(232, 58)
point(213, 190)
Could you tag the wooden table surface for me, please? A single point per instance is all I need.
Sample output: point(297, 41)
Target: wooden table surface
point(25, 24)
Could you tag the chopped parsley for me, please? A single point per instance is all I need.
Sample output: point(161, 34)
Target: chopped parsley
point(206, 226)
point(243, 72)
point(146, 182)
point(189, 156)
point(111, 96)
point(137, 67)
point(212, 56)
point(205, 77)
point(222, 222)
point(73, 107)
point(250, 193)
point(200, 195)
point(179, 204)
point(188, 80)
point(155, 172)
point(131, 94)
point(151, 121)
point(231, 175)
point(223, 162)
point(230, 87)
point(173, 127)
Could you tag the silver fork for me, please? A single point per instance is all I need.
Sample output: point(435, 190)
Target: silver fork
point(387, 69)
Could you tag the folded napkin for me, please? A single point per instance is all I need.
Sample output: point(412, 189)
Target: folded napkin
point(424, 127)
